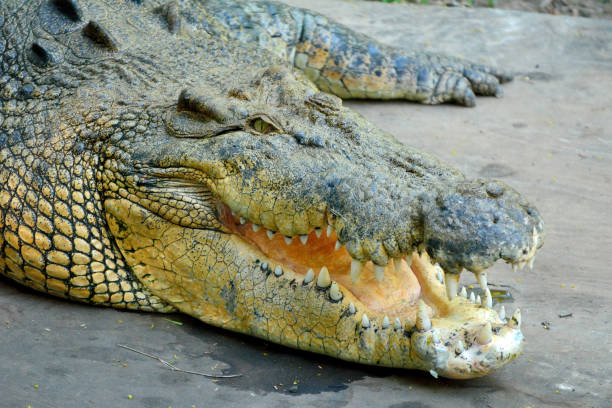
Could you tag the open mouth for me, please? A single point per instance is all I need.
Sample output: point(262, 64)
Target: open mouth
point(451, 333)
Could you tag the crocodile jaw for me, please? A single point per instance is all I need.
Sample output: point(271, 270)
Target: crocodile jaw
point(224, 279)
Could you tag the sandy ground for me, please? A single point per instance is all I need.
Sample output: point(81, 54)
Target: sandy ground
point(550, 137)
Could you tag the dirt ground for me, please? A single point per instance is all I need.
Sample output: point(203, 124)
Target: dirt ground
point(575, 8)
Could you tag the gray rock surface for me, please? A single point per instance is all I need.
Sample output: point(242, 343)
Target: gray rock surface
point(550, 137)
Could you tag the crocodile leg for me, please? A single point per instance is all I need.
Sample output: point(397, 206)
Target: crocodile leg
point(351, 65)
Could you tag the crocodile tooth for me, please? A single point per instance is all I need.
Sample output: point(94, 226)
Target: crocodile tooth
point(408, 259)
point(379, 272)
point(502, 313)
point(459, 349)
point(439, 275)
point(334, 292)
point(398, 323)
point(242, 220)
point(278, 271)
point(329, 231)
point(463, 292)
point(397, 262)
point(255, 227)
point(324, 280)
point(309, 276)
point(233, 213)
point(515, 267)
point(365, 322)
point(422, 320)
point(488, 299)
point(318, 232)
point(303, 239)
point(531, 261)
point(338, 246)
point(451, 284)
point(433, 373)
point(288, 240)
point(482, 280)
point(264, 266)
point(521, 264)
point(270, 234)
point(435, 337)
point(515, 320)
point(356, 270)
point(385, 322)
point(478, 300)
point(485, 335)
point(472, 297)
point(352, 308)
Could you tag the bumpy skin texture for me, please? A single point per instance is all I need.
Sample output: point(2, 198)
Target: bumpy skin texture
point(130, 132)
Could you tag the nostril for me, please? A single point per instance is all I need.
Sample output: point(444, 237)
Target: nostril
point(494, 190)
point(495, 219)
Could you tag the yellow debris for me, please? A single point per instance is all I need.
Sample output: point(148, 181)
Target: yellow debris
point(120, 321)
point(35, 385)
point(519, 280)
point(129, 396)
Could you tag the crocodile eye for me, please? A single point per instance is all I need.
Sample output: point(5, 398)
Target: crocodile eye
point(262, 125)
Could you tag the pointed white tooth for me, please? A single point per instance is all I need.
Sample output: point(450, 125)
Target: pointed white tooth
point(397, 262)
point(385, 322)
point(435, 337)
point(309, 276)
point(264, 266)
point(478, 300)
point(338, 246)
point(288, 240)
point(531, 261)
point(422, 320)
point(352, 308)
point(323, 280)
point(379, 272)
point(451, 284)
point(515, 267)
point(433, 373)
point(233, 212)
point(459, 349)
point(278, 271)
point(398, 323)
point(303, 239)
point(365, 322)
point(472, 297)
point(482, 280)
point(408, 259)
point(329, 230)
point(255, 227)
point(270, 234)
point(242, 220)
point(515, 320)
point(485, 335)
point(356, 270)
point(463, 292)
point(488, 299)
point(502, 313)
point(334, 292)
point(318, 232)
point(521, 265)
point(440, 275)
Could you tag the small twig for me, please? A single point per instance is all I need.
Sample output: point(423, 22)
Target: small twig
point(173, 368)
point(565, 315)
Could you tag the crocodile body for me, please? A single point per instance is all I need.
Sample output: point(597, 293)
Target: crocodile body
point(195, 156)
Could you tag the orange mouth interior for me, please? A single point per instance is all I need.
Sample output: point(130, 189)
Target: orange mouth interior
point(396, 295)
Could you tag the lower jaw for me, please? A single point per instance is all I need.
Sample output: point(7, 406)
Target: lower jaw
point(408, 322)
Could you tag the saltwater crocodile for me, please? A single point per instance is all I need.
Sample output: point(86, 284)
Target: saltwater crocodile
point(195, 156)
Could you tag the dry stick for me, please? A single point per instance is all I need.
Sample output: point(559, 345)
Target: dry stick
point(173, 368)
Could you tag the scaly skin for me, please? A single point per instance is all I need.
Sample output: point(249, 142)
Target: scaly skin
point(168, 157)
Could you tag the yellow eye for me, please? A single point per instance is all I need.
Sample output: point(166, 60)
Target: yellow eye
point(262, 125)
point(259, 125)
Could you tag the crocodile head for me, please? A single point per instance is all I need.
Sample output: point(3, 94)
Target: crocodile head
point(272, 210)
